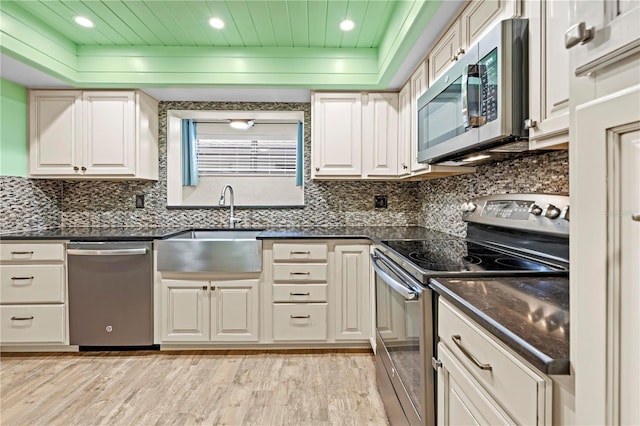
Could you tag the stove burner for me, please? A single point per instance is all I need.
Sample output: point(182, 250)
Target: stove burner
point(521, 264)
point(471, 260)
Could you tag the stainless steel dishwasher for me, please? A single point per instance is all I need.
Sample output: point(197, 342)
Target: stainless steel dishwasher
point(110, 294)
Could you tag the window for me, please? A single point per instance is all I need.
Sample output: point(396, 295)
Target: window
point(259, 163)
point(262, 153)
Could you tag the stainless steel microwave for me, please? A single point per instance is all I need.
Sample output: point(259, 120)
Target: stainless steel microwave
point(481, 103)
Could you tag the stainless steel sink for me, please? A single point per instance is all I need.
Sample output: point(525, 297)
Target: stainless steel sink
point(235, 250)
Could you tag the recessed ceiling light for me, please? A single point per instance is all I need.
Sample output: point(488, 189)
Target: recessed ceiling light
point(347, 25)
point(85, 22)
point(216, 23)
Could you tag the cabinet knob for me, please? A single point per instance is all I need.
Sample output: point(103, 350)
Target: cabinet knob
point(635, 217)
point(76, 168)
point(530, 124)
point(404, 166)
point(454, 58)
point(317, 169)
point(83, 168)
point(460, 51)
point(578, 34)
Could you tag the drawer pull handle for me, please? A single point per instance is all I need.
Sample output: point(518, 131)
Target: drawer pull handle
point(21, 252)
point(299, 316)
point(300, 273)
point(21, 318)
point(458, 341)
point(299, 294)
point(301, 252)
point(21, 278)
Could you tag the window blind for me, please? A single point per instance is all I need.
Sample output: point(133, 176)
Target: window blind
point(246, 157)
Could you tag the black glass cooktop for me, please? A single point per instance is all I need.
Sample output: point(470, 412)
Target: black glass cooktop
point(459, 255)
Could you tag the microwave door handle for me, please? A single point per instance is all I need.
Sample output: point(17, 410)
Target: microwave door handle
point(469, 120)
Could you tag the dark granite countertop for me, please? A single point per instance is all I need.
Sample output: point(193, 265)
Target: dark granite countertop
point(374, 233)
point(529, 314)
point(94, 234)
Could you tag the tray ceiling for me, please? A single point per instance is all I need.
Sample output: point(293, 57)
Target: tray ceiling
point(144, 43)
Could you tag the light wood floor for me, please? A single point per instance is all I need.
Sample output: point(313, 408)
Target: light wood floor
point(195, 387)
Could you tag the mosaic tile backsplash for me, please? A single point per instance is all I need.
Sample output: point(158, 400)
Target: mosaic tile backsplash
point(326, 203)
point(441, 198)
point(27, 203)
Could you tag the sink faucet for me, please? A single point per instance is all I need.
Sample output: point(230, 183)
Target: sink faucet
point(232, 220)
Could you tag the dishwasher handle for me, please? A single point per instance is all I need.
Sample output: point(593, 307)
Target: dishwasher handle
point(108, 252)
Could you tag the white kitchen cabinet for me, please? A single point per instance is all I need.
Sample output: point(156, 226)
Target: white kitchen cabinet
point(93, 134)
point(473, 22)
point(606, 286)
point(185, 308)
point(33, 294)
point(548, 75)
point(404, 130)
point(209, 311)
point(498, 387)
point(481, 15)
point(234, 311)
point(336, 141)
point(446, 51)
point(461, 399)
point(419, 81)
point(352, 301)
point(380, 135)
point(602, 32)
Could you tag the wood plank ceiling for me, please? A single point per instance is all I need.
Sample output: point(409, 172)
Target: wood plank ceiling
point(293, 43)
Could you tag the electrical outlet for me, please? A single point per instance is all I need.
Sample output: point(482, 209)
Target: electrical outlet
point(139, 201)
point(380, 201)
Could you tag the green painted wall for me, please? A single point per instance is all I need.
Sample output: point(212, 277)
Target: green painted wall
point(13, 129)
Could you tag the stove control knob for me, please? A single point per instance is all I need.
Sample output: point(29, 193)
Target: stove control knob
point(565, 213)
point(551, 211)
point(535, 210)
point(468, 207)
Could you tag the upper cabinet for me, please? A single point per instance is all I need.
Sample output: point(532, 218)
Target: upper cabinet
point(602, 32)
point(370, 136)
point(419, 81)
point(478, 17)
point(337, 134)
point(548, 121)
point(93, 134)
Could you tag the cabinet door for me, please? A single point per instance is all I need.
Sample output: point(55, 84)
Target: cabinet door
point(380, 134)
point(605, 286)
point(460, 399)
point(234, 311)
point(109, 146)
point(185, 311)
point(419, 81)
point(549, 75)
point(404, 130)
point(445, 53)
point(55, 132)
point(337, 134)
point(480, 16)
point(616, 33)
point(353, 315)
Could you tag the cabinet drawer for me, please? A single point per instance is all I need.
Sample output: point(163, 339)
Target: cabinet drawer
point(31, 252)
point(300, 293)
point(300, 321)
point(300, 272)
point(32, 284)
point(32, 324)
point(519, 389)
point(301, 252)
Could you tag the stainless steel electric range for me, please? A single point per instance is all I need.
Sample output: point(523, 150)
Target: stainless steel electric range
point(509, 235)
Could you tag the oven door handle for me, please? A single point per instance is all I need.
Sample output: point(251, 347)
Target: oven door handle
point(396, 285)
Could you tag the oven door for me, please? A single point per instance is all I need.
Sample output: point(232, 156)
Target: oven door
point(404, 343)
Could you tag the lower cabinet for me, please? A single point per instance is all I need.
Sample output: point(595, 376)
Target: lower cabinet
point(481, 382)
point(210, 311)
point(461, 400)
point(352, 296)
